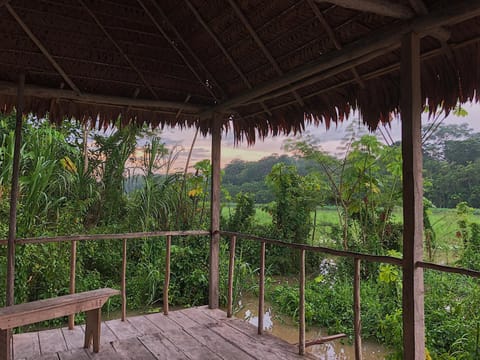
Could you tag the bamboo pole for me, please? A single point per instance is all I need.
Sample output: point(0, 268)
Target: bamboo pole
point(6, 337)
point(124, 279)
point(166, 282)
point(301, 316)
point(357, 322)
point(73, 262)
point(12, 225)
point(231, 270)
point(261, 289)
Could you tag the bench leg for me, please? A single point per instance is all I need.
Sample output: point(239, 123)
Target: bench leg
point(92, 329)
point(5, 344)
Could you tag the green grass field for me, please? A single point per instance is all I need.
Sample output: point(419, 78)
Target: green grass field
point(447, 246)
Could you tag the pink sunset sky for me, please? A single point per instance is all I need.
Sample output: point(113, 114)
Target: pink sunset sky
point(329, 139)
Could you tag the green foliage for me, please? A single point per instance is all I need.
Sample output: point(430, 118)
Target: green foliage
point(242, 218)
point(452, 165)
point(294, 202)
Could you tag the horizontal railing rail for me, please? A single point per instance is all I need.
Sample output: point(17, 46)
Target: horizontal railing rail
point(135, 235)
point(303, 248)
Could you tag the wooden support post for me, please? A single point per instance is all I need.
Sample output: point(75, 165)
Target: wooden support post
point(73, 263)
point(93, 328)
point(231, 270)
point(301, 316)
point(413, 287)
point(215, 214)
point(261, 289)
point(124, 279)
point(357, 322)
point(166, 283)
point(6, 337)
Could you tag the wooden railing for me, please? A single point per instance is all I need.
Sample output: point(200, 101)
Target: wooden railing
point(302, 248)
point(73, 239)
point(357, 258)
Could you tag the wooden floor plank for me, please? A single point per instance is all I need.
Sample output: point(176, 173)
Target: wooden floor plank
point(217, 344)
point(132, 349)
point(189, 334)
point(107, 352)
point(182, 320)
point(74, 338)
point(256, 348)
point(77, 354)
point(51, 356)
point(26, 345)
point(106, 335)
point(163, 323)
point(162, 348)
point(251, 331)
point(51, 341)
point(123, 330)
point(143, 325)
point(193, 349)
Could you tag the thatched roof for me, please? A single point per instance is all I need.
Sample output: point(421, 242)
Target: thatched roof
point(266, 67)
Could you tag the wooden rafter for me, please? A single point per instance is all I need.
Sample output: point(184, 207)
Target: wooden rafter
point(119, 49)
point(441, 34)
point(458, 12)
point(243, 40)
point(8, 88)
point(368, 76)
point(332, 36)
point(261, 45)
point(327, 74)
point(388, 8)
point(179, 52)
point(222, 48)
point(380, 7)
point(187, 99)
point(42, 48)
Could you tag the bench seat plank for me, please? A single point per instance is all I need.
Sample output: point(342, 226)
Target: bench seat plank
point(41, 310)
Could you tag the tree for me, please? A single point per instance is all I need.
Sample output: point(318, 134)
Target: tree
point(365, 185)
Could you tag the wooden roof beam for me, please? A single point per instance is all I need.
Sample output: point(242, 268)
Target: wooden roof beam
point(367, 76)
point(42, 48)
point(380, 7)
point(454, 13)
point(119, 49)
point(8, 88)
point(179, 52)
point(441, 34)
point(261, 45)
point(387, 8)
point(332, 36)
point(222, 48)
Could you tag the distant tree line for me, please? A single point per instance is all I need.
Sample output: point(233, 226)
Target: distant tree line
point(451, 156)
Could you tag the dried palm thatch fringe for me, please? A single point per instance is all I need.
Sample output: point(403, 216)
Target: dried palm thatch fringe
point(90, 44)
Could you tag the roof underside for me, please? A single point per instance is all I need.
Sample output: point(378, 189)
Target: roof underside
point(261, 67)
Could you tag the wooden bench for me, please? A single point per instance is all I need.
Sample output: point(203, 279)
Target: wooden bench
point(28, 313)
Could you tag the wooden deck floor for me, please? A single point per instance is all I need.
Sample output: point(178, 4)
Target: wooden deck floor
point(195, 334)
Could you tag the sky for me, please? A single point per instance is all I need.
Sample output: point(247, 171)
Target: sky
point(329, 139)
